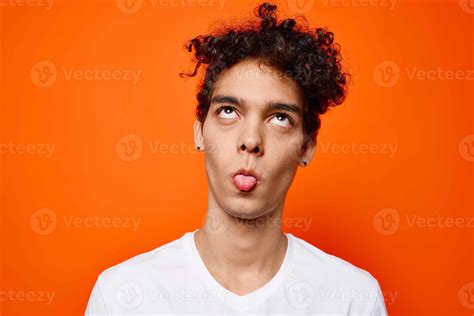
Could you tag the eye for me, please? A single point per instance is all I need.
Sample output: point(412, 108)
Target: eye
point(226, 112)
point(282, 119)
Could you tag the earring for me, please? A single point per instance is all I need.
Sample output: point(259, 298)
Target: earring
point(198, 148)
point(305, 163)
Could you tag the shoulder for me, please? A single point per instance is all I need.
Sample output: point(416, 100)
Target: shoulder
point(170, 255)
point(124, 285)
point(335, 283)
point(329, 269)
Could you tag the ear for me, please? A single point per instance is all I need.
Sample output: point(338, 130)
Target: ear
point(198, 137)
point(307, 151)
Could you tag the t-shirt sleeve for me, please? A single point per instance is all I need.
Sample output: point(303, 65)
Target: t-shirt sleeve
point(96, 304)
point(379, 308)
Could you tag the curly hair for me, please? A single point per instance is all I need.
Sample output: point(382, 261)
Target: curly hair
point(309, 58)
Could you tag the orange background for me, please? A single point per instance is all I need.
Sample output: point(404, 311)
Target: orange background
point(345, 195)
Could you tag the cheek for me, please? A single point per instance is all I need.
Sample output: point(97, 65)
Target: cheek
point(213, 138)
point(220, 145)
point(216, 156)
point(293, 150)
point(282, 163)
point(287, 151)
point(284, 174)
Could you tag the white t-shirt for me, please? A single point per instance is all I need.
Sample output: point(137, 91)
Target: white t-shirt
point(172, 279)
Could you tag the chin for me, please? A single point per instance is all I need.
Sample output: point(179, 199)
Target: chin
point(245, 210)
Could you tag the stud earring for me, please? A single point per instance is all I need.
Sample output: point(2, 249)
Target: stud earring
point(305, 163)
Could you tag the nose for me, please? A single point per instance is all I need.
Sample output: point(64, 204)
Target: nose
point(251, 139)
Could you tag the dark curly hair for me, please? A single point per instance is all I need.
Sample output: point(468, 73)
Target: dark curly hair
point(310, 58)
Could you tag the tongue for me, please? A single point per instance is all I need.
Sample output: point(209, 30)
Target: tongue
point(245, 183)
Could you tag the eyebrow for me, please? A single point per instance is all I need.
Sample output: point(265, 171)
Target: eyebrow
point(290, 107)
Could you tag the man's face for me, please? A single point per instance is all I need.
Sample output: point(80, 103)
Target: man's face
point(254, 122)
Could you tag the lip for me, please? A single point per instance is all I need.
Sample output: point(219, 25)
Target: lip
point(247, 172)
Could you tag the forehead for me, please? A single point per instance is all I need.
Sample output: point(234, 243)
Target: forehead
point(257, 84)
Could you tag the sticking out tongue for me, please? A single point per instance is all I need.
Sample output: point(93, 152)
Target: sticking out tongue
point(245, 183)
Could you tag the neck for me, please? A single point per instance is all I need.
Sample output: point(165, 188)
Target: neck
point(231, 246)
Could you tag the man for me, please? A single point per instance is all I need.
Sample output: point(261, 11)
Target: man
point(257, 120)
